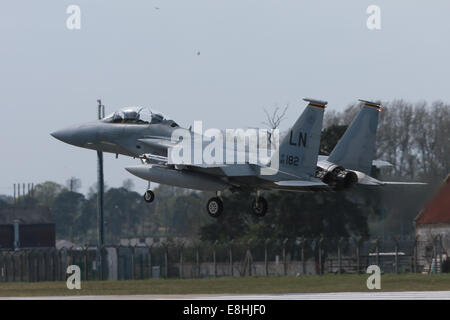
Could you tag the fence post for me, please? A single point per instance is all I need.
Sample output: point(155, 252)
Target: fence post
point(150, 264)
point(38, 258)
point(266, 257)
point(28, 253)
point(2, 268)
point(70, 261)
point(166, 260)
point(141, 267)
point(249, 257)
point(320, 255)
point(358, 254)
point(197, 260)
point(61, 264)
point(54, 264)
point(13, 265)
point(396, 254)
point(86, 263)
point(416, 240)
point(440, 253)
point(4, 263)
point(377, 252)
point(341, 240)
point(133, 261)
point(57, 264)
point(49, 265)
point(284, 257)
point(45, 259)
point(70, 256)
point(214, 258)
point(101, 262)
point(230, 252)
point(118, 261)
point(303, 256)
point(181, 260)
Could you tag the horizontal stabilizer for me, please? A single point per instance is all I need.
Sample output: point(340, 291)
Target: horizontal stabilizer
point(376, 163)
point(399, 182)
point(381, 164)
point(369, 181)
point(300, 183)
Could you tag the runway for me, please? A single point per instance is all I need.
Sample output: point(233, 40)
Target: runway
point(406, 295)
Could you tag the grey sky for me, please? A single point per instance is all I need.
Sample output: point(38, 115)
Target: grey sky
point(253, 54)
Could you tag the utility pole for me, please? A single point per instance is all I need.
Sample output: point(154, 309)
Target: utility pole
point(100, 224)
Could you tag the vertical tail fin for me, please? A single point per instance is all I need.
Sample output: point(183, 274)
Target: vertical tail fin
point(299, 149)
point(355, 150)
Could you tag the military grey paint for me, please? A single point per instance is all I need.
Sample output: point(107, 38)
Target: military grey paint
point(355, 150)
point(300, 147)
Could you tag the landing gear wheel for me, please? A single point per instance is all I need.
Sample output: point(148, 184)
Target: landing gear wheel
point(259, 207)
point(214, 207)
point(149, 196)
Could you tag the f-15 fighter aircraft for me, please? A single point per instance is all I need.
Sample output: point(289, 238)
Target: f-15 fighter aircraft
point(290, 166)
point(293, 165)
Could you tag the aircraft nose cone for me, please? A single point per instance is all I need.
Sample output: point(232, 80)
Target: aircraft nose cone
point(62, 135)
point(76, 135)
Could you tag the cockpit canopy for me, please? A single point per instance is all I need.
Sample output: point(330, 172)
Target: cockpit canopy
point(138, 115)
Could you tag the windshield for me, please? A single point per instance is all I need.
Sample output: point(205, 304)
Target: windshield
point(137, 115)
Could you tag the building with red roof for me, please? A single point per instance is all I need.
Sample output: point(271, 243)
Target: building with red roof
point(433, 227)
point(437, 211)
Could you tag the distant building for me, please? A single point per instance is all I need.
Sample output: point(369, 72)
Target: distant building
point(26, 227)
point(432, 226)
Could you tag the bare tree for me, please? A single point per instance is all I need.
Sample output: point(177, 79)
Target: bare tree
point(274, 119)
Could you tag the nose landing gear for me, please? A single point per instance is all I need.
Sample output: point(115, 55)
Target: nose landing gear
point(149, 196)
point(259, 205)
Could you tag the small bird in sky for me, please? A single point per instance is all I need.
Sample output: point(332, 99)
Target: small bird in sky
point(198, 53)
point(157, 8)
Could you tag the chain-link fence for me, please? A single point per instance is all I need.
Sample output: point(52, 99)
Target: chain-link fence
point(255, 257)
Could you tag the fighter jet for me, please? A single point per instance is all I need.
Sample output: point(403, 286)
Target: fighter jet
point(291, 166)
point(351, 160)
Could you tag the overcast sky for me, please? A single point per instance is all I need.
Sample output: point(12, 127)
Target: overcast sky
point(253, 55)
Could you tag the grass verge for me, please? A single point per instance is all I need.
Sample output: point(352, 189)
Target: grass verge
point(247, 285)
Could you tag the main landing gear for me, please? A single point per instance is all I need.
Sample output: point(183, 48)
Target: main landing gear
point(214, 207)
point(149, 196)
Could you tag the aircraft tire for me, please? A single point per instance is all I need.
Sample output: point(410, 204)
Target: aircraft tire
point(214, 207)
point(149, 196)
point(259, 208)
